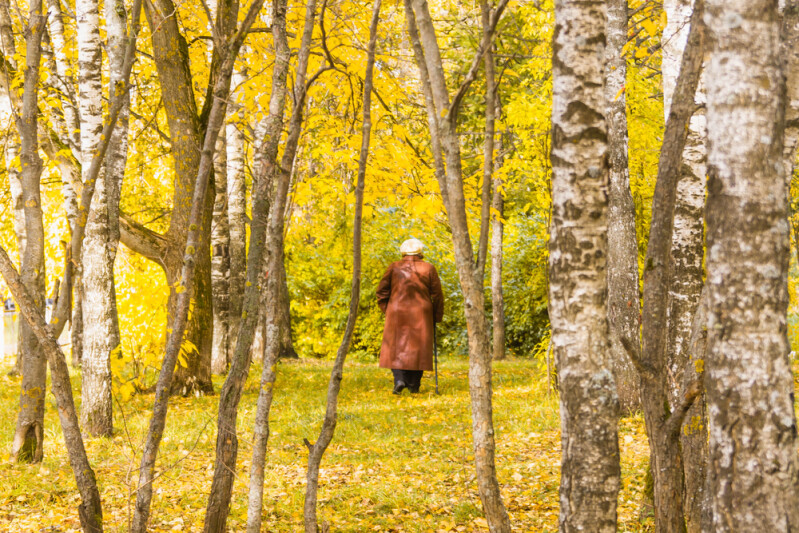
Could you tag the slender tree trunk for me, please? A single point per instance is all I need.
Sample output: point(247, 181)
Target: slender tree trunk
point(283, 314)
point(90, 509)
point(317, 449)
point(220, 262)
point(11, 153)
point(227, 440)
point(274, 245)
point(753, 461)
point(222, 73)
point(445, 121)
point(590, 472)
point(497, 230)
point(624, 307)
point(27, 445)
point(64, 82)
point(686, 253)
point(236, 209)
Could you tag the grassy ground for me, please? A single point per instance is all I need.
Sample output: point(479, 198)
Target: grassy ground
point(400, 464)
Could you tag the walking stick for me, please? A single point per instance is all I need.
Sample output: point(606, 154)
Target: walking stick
point(435, 354)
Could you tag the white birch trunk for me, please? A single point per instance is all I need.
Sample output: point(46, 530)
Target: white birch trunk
point(590, 472)
point(236, 204)
point(749, 386)
point(220, 262)
point(100, 329)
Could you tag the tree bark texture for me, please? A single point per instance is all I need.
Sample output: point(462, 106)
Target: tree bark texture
point(28, 442)
point(187, 129)
point(236, 209)
point(590, 472)
point(444, 120)
point(100, 320)
point(227, 440)
point(790, 55)
point(90, 110)
point(693, 438)
point(69, 130)
point(220, 261)
point(663, 422)
point(221, 75)
point(687, 251)
point(317, 449)
point(624, 307)
point(497, 231)
point(749, 386)
point(274, 246)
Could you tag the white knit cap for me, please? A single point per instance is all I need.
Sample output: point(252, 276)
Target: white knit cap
point(412, 247)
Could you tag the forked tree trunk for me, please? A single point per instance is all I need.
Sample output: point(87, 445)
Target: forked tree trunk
point(274, 245)
point(443, 122)
point(753, 462)
point(590, 472)
point(624, 303)
point(227, 443)
point(686, 255)
point(662, 422)
point(317, 449)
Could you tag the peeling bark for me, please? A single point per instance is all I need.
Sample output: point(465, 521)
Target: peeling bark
point(752, 425)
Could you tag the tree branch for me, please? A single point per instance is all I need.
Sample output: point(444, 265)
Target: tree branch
point(454, 107)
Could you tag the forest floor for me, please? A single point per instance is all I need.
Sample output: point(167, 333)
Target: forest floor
point(400, 464)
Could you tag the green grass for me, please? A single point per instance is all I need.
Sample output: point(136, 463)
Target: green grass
point(396, 463)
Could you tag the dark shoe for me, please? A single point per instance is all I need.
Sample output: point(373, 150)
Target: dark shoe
point(399, 387)
point(414, 391)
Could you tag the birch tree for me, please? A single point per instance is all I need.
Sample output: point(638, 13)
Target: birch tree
point(443, 119)
point(590, 472)
point(317, 449)
point(622, 259)
point(268, 142)
point(274, 246)
point(28, 443)
point(100, 320)
point(749, 385)
point(220, 261)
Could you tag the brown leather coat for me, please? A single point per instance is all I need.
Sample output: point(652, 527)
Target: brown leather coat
point(410, 295)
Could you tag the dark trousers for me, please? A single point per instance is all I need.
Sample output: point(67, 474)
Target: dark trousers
point(411, 378)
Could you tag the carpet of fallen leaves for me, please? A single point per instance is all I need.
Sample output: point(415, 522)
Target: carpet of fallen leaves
point(399, 464)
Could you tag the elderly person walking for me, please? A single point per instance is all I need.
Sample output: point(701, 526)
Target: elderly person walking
point(410, 296)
